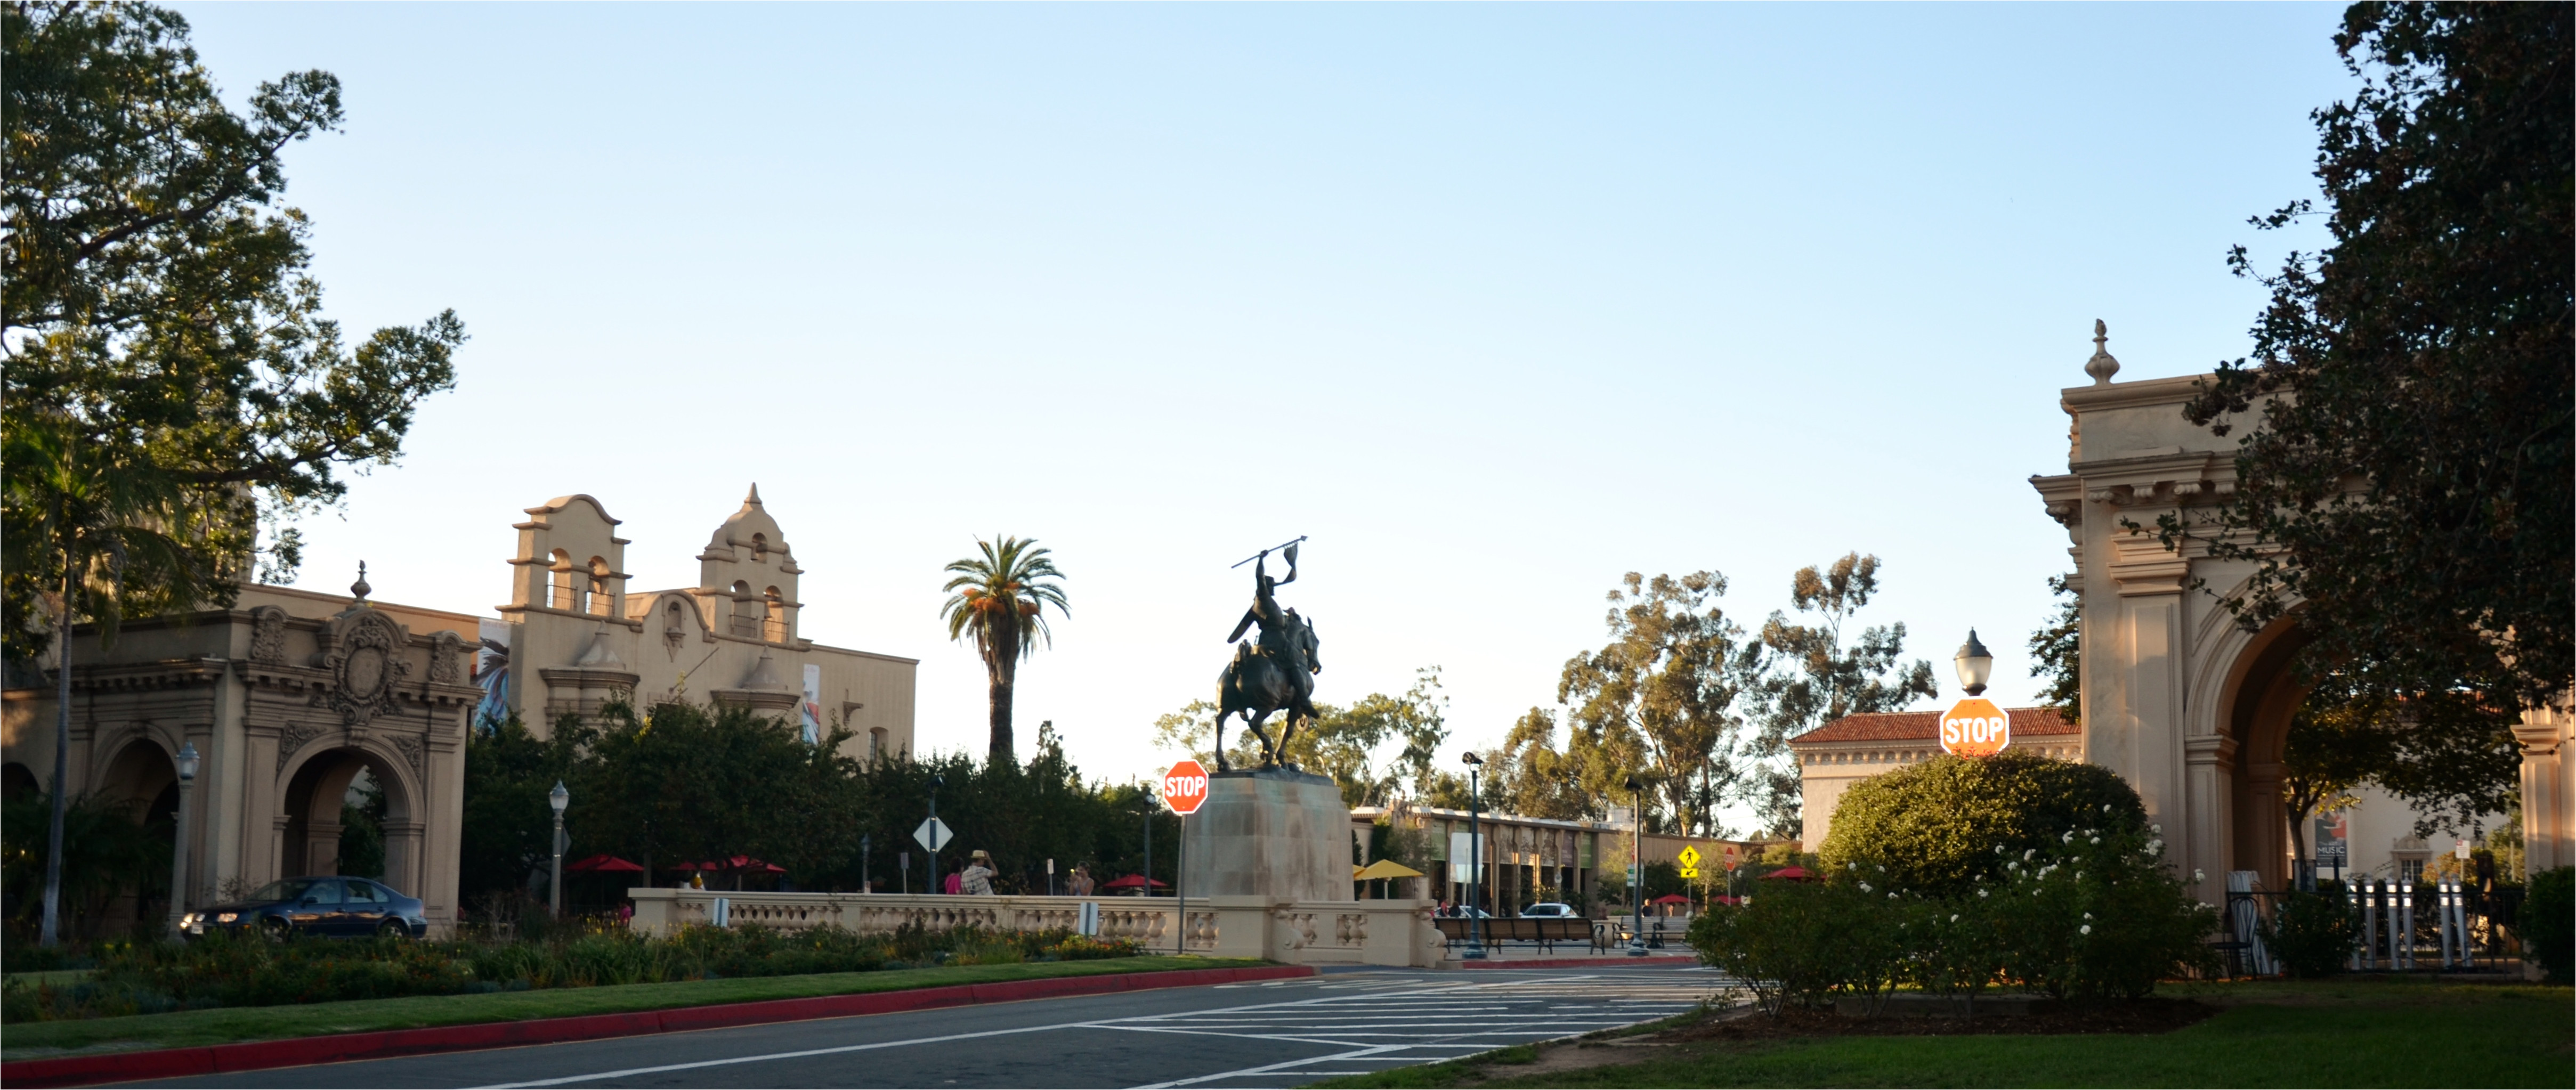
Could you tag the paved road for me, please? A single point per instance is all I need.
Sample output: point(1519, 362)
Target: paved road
point(1277, 1033)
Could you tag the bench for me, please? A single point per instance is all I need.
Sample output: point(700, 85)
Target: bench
point(1546, 931)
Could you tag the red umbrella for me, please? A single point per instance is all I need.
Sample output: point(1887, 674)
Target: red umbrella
point(1791, 874)
point(1671, 899)
point(745, 862)
point(1130, 882)
point(603, 864)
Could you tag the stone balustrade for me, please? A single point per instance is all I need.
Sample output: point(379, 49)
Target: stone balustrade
point(1385, 932)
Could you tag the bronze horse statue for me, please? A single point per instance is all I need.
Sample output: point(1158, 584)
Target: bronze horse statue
point(1276, 674)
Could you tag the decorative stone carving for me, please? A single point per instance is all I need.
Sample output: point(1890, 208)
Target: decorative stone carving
point(414, 752)
point(268, 636)
point(444, 667)
point(2101, 366)
point(365, 664)
point(293, 738)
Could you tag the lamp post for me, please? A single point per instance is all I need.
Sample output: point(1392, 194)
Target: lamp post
point(557, 798)
point(1475, 863)
point(1975, 664)
point(936, 782)
point(1636, 867)
point(179, 843)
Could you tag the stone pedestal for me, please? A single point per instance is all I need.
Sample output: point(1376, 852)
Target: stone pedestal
point(1271, 833)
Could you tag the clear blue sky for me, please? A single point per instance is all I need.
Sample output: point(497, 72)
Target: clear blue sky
point(1495, 302)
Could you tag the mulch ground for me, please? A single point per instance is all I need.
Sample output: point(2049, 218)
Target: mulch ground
point(2138, 1016)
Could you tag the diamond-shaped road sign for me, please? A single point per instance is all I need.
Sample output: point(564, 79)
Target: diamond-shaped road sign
point(934, 834)
point(1689, 860)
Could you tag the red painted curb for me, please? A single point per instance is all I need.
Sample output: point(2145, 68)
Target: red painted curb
point(1581, 963)
point(165, 1063)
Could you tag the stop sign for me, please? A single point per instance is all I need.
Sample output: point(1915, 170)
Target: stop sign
point(1185, 787)
point(1975, 727)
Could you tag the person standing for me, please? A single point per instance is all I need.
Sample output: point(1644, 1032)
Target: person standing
point(1081, 885)
point(978, 879)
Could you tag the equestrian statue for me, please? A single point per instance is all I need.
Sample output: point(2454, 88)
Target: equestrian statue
point(1273, 672)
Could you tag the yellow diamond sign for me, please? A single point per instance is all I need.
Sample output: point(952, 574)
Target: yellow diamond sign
point(1689, 860)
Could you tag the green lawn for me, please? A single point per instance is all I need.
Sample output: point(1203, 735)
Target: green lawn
point(2358, 1033)
point(29, 1040)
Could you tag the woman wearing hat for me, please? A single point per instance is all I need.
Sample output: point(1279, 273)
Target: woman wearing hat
point(979, 874)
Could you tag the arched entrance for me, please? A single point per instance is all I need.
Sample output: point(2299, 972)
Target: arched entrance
point(2262, 692)
point(311, 826)
point(143, 781)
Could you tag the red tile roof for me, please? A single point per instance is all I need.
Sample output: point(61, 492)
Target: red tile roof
point(1926, 726)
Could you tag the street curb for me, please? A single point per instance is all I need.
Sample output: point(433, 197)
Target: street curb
point(167, 1063)
point(1657, 962)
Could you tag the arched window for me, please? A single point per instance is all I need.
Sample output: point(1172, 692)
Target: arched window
point(777, 616)
point(600, 601)
point(746, 610)
point(561, 593)
point(760, 548)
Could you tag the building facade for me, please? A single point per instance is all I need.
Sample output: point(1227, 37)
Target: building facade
point(291, 697)
point(2179, 698)
point(573, 637)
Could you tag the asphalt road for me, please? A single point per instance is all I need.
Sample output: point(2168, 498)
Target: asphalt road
point(1276, 1033)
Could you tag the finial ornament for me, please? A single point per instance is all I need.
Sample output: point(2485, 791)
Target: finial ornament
point(360, 588)
point(753, 500)
point(2101, 366)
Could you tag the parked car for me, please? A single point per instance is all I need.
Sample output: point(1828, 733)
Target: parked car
point(1550, 908)
point(332, 907)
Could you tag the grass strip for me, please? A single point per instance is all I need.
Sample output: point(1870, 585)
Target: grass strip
point(2290, 1035)
point(224, 1025)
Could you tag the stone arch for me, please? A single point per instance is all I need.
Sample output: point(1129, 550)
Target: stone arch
point(311, 792)
point(562, 592)
point(17, 780)
point(774, 616)
point(747, 610)
point(2245, 691)
point(596, 579)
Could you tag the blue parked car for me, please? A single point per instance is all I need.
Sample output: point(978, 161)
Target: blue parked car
point(335, 907)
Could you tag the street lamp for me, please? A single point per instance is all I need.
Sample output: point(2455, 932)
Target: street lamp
point(1637, 867)
point(1975, 664)
point(557, 798)
point(179, 843)
point(1475, 863)
point(936, 782)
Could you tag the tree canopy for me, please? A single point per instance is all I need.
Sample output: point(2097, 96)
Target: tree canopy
point(169, 375)
point(2405, 478)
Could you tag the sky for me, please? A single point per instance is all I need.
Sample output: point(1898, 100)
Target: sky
point(1492, 303)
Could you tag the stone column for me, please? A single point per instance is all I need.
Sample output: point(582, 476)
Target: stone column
point(321, 849)
point(2208, 758)
point(2150, 656)
point(403, 858)
point(2546, 836)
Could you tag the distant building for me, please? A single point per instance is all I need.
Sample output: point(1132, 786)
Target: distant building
point(1855, 747)
point(1528, 859)
point(573, 637)
point(290, 697)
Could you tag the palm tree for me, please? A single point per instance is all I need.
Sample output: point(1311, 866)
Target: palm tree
point(999, 599)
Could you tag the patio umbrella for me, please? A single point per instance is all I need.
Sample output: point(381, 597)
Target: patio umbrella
point(1791, 874)
point(603, 864)
point(1382, 870)
point(1131, 881)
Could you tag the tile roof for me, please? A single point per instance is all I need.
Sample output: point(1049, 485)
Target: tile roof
point(1926, 726)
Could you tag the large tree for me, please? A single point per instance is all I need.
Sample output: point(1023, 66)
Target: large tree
point(1349, 743)
point(999, 599)
point(169, 376)
point(1820, 679)
point(1663, 693)
point(2404, 479)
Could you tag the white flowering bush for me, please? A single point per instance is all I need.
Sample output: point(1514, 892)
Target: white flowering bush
point(2102, 918)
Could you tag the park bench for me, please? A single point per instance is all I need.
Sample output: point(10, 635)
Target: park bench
point(1546, 931)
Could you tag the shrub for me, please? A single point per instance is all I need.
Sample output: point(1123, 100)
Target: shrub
point(2313, 934)
point(2099, 918)
point(1800, 944)
point(2548, 924)
point(1934, 826)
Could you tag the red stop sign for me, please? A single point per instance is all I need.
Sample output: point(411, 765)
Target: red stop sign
point(1185, 787)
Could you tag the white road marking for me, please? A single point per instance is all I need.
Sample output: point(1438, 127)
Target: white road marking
point(1430, 1017)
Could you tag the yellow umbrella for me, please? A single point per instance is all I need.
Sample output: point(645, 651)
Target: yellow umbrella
point(1382, 870)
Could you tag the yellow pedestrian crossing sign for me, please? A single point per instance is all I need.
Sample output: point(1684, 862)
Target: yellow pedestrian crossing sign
point(1689, 859)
